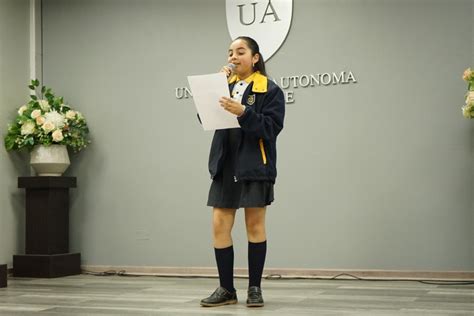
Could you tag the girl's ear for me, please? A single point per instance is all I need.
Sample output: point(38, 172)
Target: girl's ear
point(255, 58)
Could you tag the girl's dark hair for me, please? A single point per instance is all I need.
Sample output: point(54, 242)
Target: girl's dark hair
point(252, 44)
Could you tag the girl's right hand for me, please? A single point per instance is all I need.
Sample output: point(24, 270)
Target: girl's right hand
point(227, 70)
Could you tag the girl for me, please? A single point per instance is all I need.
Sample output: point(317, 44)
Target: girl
point(242, 163)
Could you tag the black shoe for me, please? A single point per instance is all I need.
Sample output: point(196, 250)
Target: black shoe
point(220, 297)
point(254, 297)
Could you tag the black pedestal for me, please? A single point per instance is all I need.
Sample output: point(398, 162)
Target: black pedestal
point(46, 266)
point(3, 275)
point(47, 229)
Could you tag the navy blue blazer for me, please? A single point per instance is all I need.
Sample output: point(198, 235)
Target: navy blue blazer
point(260, 124)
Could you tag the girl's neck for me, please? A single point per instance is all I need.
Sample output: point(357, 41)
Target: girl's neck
point(245, 76)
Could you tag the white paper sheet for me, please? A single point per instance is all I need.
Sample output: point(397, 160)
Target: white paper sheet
point(207, 90)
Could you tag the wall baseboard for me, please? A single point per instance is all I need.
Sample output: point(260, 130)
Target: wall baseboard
point(290, 273)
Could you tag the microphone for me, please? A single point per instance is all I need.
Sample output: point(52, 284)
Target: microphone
point(232, 67)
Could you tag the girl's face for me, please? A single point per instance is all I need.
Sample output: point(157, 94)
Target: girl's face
point(241, 56)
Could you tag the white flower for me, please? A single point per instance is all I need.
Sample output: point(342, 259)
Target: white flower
point(48, 126)
point(57, 135)
point(44, 105)
point(28, 128)
point(467, 74)
point(70, 114)
point(22, 109)
point(40, 120)
point(470, 98)
point(35, 114)
point(467, 111)
point(79, 115)
point(56, 118)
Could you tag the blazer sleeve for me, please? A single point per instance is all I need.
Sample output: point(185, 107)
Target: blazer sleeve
point(269, 122)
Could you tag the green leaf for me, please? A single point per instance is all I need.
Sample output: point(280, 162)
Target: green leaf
point(9, 142)
point(14, 129)
point(32, 87)
point(36, 82)
point(30, 141)
point(34, 97)
point(24, 117)
point(43, 89)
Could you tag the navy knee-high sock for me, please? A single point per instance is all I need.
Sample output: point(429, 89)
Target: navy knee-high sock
point(225, 266)
point(256, 258)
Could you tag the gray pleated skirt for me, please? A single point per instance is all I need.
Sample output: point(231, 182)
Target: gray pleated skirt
point(226, 193)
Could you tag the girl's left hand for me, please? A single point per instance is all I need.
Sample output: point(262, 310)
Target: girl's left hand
point(232, 106)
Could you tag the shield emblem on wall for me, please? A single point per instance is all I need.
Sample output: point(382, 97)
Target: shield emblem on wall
point(266, 21)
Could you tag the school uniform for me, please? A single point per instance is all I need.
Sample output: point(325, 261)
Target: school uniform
point(242, 161)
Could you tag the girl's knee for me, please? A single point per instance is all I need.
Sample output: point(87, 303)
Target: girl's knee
point(255, 229)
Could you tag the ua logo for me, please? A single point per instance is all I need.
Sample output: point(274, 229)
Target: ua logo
point(266, 21)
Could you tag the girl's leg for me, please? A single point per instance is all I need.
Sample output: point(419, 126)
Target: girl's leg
point(223, 221)
point(255, 223)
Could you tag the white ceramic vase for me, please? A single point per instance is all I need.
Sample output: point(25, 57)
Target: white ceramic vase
point(50, 160)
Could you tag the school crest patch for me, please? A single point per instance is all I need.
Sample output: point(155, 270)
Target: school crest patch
point(251, 99)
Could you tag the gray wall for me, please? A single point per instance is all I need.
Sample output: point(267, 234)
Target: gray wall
point(14, 76)
point(374, 175)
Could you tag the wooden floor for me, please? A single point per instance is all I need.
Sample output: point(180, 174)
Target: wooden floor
point(114, 295)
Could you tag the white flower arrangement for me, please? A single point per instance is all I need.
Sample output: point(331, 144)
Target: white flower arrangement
point(47, 121)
